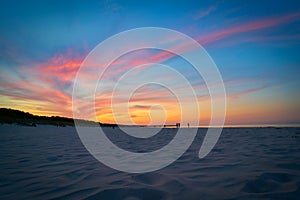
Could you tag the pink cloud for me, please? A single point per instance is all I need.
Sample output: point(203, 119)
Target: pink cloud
point(43, 84)
point(236, 95)
point(122, 65)
point(250, 26)
point(208, 39)
point(24, 91)
point(62, 68)
point(262, 39)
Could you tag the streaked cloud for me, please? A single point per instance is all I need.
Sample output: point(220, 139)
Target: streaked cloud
point(206, 12)
point(41, 55)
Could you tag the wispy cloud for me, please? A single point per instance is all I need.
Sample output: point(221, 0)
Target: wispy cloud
point(43, 84)
point(51, 100)
point(49, 83)
point(247, 27)
point(206, 12)
point(236, 95)
point(61, 68)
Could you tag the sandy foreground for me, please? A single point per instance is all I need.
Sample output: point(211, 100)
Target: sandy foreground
point(48, 162)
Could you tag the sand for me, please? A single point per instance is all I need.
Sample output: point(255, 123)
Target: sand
point(48, 162)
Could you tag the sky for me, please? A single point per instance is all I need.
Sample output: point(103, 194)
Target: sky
point(254, 44)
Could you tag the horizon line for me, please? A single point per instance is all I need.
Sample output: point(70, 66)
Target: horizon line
point(257, 125)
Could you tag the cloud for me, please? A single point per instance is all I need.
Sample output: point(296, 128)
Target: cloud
point(122, 65)
point(206, 12)
point(285, 40)
point(49, 99)
point(61, 68)
point(48, 84)
point(247, 27)
point(125, 64)
point(146, 107)
point(236, 95)
point(43, 84)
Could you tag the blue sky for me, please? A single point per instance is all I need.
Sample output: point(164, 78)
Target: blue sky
point(255, 45)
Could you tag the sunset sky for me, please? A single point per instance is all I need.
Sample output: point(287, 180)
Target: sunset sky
point(255, 45)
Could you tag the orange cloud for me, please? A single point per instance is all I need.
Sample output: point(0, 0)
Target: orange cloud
point(45, 83)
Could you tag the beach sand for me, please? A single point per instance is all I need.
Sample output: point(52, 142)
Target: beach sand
point(48, 162)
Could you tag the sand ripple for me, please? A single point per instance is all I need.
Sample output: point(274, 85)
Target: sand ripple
point(247, 163)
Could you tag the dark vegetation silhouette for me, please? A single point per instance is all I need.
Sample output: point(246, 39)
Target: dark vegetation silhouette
point(11, 116)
